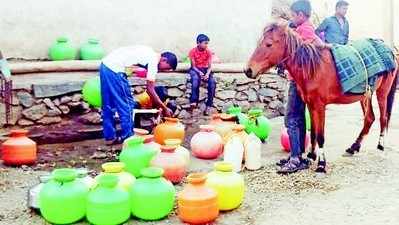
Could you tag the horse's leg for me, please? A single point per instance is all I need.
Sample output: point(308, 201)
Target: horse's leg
point(369, 118)
point(382, 95)
point(318, 122)
point(312, 154)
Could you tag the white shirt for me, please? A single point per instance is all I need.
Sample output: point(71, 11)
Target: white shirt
point(124, 57)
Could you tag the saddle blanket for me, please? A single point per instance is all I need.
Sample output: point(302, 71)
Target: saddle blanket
point(361, 59)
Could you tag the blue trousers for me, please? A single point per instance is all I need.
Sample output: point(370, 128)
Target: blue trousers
point(196, 83)
point(295, 121)
point(116, 97)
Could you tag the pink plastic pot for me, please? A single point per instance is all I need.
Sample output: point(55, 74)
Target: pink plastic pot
point(285, 140)
point(140, 72)
point(206, 144)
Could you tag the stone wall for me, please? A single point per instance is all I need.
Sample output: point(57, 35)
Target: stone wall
point(45, 104)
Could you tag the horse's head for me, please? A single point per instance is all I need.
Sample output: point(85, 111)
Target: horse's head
point(270, 51)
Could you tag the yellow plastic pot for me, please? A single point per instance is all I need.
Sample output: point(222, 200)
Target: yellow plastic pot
point(125, 179)
point(229, 185)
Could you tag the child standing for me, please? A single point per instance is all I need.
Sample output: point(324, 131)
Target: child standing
point(201, 70)
point(295, 115)
point(115, 88)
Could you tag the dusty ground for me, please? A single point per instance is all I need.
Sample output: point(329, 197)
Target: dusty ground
point(363, 189)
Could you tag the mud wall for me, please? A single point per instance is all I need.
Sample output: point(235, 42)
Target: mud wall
point(29, 27)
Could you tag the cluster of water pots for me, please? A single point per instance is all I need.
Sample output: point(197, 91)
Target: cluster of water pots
point(141, 183)
point(111, 198)
point(114, 196)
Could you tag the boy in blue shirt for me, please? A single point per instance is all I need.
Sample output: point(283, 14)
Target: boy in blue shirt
point(336, 28)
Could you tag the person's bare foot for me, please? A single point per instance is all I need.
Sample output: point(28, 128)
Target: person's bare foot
point(116, 141)
point(193, 106)
point(207, 111)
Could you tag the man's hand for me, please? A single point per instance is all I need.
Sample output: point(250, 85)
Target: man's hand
point(201, 73)
point(205, 77)
point(167, 112)
point(328, 46)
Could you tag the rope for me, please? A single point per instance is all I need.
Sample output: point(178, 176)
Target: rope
point(368, 91)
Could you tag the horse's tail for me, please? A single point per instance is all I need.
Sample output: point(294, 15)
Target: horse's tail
point(391, 95)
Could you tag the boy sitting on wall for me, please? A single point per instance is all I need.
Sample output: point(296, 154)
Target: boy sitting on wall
point(201, 63)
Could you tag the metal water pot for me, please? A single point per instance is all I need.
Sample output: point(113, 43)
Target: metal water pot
point(33, 193)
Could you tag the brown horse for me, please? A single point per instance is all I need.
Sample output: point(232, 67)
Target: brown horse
point(315, 74)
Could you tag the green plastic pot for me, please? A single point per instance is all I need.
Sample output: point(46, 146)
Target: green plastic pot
point(92, 50)
point(152, 196)
point(62, 200)
point(258, 124)
point(236, 111)
point(108, 204)
point(62, 50)
point(186, 59)
point(136, 155)
point(308, 120)
point(91, 92)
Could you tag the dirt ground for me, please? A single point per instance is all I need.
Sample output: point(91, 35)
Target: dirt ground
point(363, 189)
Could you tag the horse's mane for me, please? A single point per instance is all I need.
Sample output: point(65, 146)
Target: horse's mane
point(305, 55)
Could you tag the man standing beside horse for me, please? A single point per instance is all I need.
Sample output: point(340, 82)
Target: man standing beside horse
point(335, 29)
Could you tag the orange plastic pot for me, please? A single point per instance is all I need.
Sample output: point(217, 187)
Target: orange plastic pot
point(173, 164)
point(223, 124)
point(197, 203)
point(216, 120)
point(238, 130)
point(170, 129)
point(18, 149)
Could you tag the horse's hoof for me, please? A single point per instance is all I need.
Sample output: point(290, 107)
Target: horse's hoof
point(312, 156)
point(355, 147)
point(321, 167)
point(350, 151)
point(380, 147)
point(347, 154)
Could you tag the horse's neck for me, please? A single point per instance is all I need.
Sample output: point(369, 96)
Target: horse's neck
point(325, 83)
point(296, 72)
point(299, 77)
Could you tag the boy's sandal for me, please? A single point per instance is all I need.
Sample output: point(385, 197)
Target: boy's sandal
point(282, 162)
point(289, 167)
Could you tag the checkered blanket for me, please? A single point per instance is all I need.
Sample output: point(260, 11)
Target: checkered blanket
point(360, 59)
